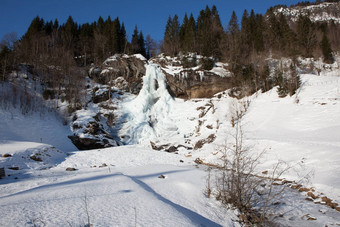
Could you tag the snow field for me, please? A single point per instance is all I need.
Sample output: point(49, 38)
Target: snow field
point(302, 130)
point(129, 184)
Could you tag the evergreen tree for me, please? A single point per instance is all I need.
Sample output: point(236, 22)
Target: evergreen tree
point(245, 37)
point(36, 26)
point(258, 36)
point(171, 36)
point(135, 42)
point(326, 49)
point(115, 34)
point(190, 34)
point(233, 27)
point(122, 39)
point(141, 43)
point(209, 32)
point(306, 35)
point(100, 25)
point(183, 31)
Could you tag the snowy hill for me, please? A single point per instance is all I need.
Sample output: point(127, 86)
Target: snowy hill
point(160, 177)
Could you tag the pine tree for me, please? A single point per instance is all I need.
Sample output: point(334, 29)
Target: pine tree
point(135, 41)
point(306, 35)
point(100, 25)
point(233, 27)
point(209, 32)
point(122, 39)
point(234, 33)
point(171, 39)
point(182, 33)
point(326, 49)
point(272, 31)
point(245, 37)
point(141, 43)
point(190, 34)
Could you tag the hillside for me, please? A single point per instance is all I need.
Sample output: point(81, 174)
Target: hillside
point(144, 184)
point(235, 125)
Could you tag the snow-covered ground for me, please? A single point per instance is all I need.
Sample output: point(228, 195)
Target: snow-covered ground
point(126, 192)
point(135, 185)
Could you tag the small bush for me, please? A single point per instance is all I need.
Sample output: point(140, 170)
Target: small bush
point(207, 63)
point(48, 94)
point(188, 62)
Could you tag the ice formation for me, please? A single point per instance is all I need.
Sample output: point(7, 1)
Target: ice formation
point(148, 114)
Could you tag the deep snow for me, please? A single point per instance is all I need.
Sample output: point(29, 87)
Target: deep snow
point(303, 129)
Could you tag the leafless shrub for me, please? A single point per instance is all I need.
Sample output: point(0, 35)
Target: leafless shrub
point(237, 179)
point(208, 184)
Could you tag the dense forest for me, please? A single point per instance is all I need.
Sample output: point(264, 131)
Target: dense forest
point(59, 53)
point(256, 34)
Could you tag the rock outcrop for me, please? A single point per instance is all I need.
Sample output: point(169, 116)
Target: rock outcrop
point(123, 71)
point(197, 84)
point(193, 81)
point(90, 133)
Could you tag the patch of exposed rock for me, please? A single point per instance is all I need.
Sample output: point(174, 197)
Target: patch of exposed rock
point(193, 81)
point(89, 133)
point(190, 84)
point(122, 71)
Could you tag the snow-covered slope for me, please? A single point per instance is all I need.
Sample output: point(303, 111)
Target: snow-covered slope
point(137, 185)
point(44, 127)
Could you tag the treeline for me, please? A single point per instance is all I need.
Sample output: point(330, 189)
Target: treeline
point(87, 42)
point(57, 53)
point(256, 34)
point(48, 44)
point(247, 45)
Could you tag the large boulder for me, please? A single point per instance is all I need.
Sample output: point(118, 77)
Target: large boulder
point(90, 133)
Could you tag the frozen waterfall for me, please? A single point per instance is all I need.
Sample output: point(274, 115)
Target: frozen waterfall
point(148, 115)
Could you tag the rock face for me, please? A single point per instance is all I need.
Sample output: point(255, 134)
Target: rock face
point(197, 84)
point(124, 72)
point(194, 81)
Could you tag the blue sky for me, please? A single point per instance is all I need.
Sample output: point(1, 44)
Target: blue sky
point(149, 15)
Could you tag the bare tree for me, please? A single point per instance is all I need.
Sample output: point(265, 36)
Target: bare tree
point(238, 181)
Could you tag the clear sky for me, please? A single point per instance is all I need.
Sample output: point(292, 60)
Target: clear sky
point(149, 15)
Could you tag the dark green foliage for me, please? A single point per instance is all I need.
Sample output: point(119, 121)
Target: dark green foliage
point(48, 94)
point(138, 43)
point(207, 63)
point(188, 34)
point(4, 61)
point(189, 62)
point(287, 84)
point(171, 42)
point(326, 50)
point(209, 32)
point(233, 27)
point(306, 35)
point(141, 44)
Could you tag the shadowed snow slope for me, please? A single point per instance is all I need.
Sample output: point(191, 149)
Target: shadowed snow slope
point(45, 127)
point(127, 192)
